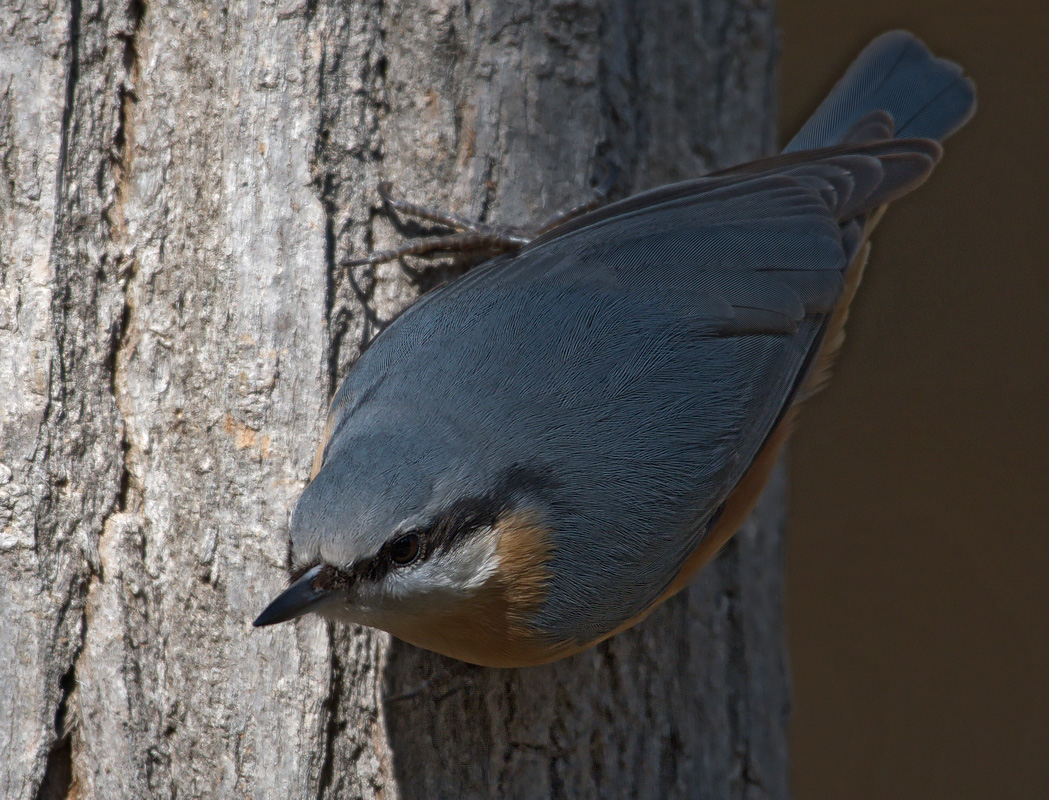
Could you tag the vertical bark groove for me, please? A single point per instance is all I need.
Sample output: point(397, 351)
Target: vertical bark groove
point(72, 75)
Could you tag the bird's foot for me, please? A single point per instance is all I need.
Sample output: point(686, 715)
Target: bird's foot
point(478, 239)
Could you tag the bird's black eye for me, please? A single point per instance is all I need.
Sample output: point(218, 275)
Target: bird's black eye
point(405, 549)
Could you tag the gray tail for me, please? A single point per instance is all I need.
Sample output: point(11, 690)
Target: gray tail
point(927, 97)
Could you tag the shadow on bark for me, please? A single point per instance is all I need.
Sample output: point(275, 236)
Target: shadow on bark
point(612, 721)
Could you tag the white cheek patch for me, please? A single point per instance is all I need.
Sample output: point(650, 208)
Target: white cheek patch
point(460, 571)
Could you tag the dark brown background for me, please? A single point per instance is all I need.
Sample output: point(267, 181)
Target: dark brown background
point(918, 554)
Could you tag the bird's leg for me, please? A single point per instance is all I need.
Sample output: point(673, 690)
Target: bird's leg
point(465, 243)
point(445, 218)
point(476, 238)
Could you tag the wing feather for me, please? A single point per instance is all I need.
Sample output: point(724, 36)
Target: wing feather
point(648, 349)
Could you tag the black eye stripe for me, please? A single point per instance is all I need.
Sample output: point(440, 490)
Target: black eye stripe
point(461, 519)
point(448, 528)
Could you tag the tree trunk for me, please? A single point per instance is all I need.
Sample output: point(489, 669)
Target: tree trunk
point(179, 186)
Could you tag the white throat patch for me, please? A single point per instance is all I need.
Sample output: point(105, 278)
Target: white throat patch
point(459, 572)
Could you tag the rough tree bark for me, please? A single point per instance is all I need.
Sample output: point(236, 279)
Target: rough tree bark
point(179, 185)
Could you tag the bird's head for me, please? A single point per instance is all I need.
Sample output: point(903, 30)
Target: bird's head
point(394, 537)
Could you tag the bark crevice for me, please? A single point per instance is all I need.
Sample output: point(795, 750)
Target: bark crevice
point(58, 776)
point(336, 688)
point(58, 770)
point(72, 77)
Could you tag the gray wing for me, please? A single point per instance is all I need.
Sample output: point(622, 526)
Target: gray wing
point(637, 360)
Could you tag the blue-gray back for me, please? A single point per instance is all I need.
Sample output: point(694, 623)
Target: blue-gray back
point(637, 358)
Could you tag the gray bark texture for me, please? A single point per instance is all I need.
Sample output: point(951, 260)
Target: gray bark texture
point(180, 184)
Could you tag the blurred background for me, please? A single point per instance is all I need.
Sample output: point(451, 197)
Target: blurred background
point(918, 554)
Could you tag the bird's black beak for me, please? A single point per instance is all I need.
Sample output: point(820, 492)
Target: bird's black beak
point(298, 599)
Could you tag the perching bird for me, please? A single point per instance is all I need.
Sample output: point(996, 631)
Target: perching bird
point(533, 457)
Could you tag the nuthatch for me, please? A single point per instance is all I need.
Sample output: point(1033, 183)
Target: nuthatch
point(533, 457)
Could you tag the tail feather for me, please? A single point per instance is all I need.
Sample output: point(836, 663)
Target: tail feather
point(927, 97)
